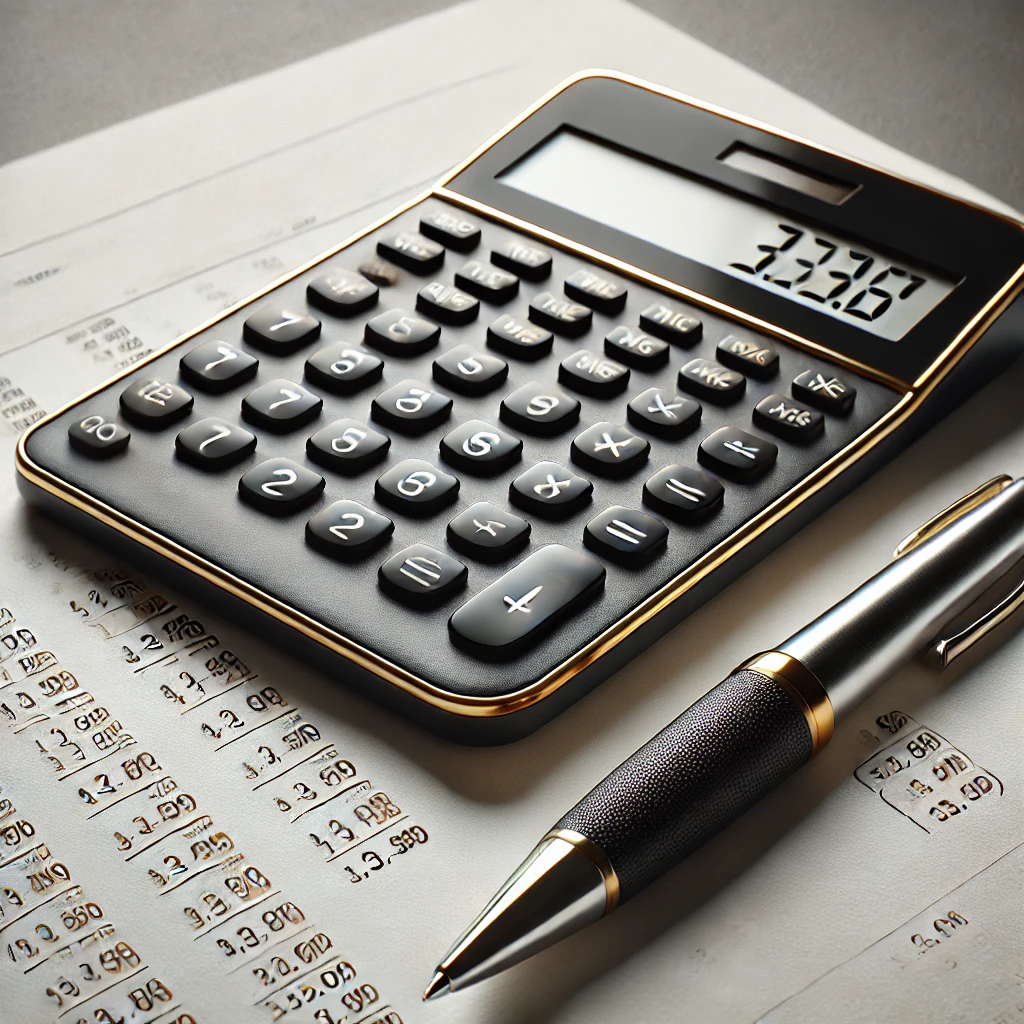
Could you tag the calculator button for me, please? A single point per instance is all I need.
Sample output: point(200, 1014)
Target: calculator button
point(664, 413)
point(214, 444)
point(712, 381)
point(479, 448)
point(789, 419)
point(411, 407)
point(281, 405)
point(609, 450)
point(217, 366)
point(280, 331)
point(412, 251)
point(341, 292)
point(488, 533)
point(599, 293)
point(422, 576)
point(347, 446)
point(635, 348)
point(627, 536)
point(550, 490)
point(541, 409)
point(527, 602)
point(487, 282)
point(672, 324)
point(451, 229)
point(379, 272)
point(750, 357)
point(518, 338)
point(737, 455)
point(683, 494)
point(825, 392)
point(529, 261)
point(400, 333)
point(560, 315)
point(343, 368)
point(591, 374)
point(280, 486)
point(416, 488)
point(348, 531)
point(469, 372)
point(154, 403)
point(98, 438)
point(448, 305)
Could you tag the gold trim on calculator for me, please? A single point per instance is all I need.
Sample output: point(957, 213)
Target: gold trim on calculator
point(488, 707)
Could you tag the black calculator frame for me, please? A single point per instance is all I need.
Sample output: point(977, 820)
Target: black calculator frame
point(953, 350)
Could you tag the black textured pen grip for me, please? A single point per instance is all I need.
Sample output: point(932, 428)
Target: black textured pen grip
point(714, 761)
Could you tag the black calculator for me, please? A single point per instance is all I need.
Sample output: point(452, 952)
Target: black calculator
point(483, 453)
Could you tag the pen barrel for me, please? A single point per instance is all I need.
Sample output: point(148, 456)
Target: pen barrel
point(719, 757)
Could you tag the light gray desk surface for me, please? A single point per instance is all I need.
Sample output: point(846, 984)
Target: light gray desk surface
point(941, 79)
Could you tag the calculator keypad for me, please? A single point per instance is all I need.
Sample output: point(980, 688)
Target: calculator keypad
point(468, 415)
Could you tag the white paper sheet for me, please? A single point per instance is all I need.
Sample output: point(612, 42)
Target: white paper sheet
point(117, 242)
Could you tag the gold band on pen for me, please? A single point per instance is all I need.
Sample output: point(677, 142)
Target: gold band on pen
point(805, 688)
point(594, 853)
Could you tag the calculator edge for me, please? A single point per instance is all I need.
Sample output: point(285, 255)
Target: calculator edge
point(510, 716)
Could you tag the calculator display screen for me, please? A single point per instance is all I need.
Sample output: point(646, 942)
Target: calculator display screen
point(843, 279)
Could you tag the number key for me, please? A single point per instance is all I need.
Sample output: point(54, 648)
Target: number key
point(347, 446)
point(213, 444)
point(399, 333)
point(411, 407)
point(281, 405)
point(348, 531)
point(477, 447)
point(541, 409)
point(472, 373)
point(416, 488)
point(343, 368)
point(280, 331)
point(280, 486)
point(217, 366)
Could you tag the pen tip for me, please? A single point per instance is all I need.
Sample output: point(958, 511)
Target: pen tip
point(439, 986)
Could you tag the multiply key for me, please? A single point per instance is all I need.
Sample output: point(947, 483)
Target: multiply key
point(519, 607)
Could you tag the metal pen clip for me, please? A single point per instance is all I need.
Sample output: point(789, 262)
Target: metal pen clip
point(1003, 599)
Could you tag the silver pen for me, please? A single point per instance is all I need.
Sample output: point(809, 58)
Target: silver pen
point(739, 741)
